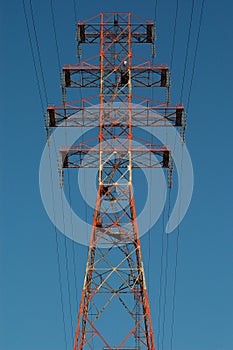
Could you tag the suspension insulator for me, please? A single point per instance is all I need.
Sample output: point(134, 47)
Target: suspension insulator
point(47, 127)
point(170, 80)
point(46, 120)
point(167, 95)
point(79, 51)
point(153, 51)
point(61, 178)
point(154, 33)
point(78, 38)
point(184, 123)
point(63, 95)
point(182, 130)
point(170, 172)
point(61, 79)
point(48, 136)
point(60, 169)
point(182, 135)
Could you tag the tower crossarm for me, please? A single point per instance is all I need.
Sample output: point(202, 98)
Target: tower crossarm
point(80, 114)
point(88, 31)
point(86, 75)
point(81, 156)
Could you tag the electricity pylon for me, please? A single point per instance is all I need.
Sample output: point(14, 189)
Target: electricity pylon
point(114, 311)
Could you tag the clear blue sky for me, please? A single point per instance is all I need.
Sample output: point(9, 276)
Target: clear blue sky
point(30, 317)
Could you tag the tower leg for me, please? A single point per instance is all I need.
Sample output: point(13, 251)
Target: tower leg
point(114, 279)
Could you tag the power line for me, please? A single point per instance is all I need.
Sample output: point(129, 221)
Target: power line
point(195, 53)
point(155, 10)
point(165, 288)
point(62, 201)
point(181, 96)
point(75, 11)
point(51, 176)
point(69, 193)
point(178, 228)
point(187, 50)
point(68, 180)
point(38, 51)
point(167, 239)
point(46, 96)
point(163, 271)
point(172, 54)
point(55, 35)
point(150, 178)
point(176, 263)
point(33, 56)
point(67, 266)
point(165, 250)
point(166, 270)
point(57, 251)
point(73, 244)
point(68, 177)
point(174, 35)
point(161, 280)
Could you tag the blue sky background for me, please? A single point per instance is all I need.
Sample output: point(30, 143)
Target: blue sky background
point(30, 317)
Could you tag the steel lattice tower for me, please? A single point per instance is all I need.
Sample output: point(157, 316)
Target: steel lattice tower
point(114, 304)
